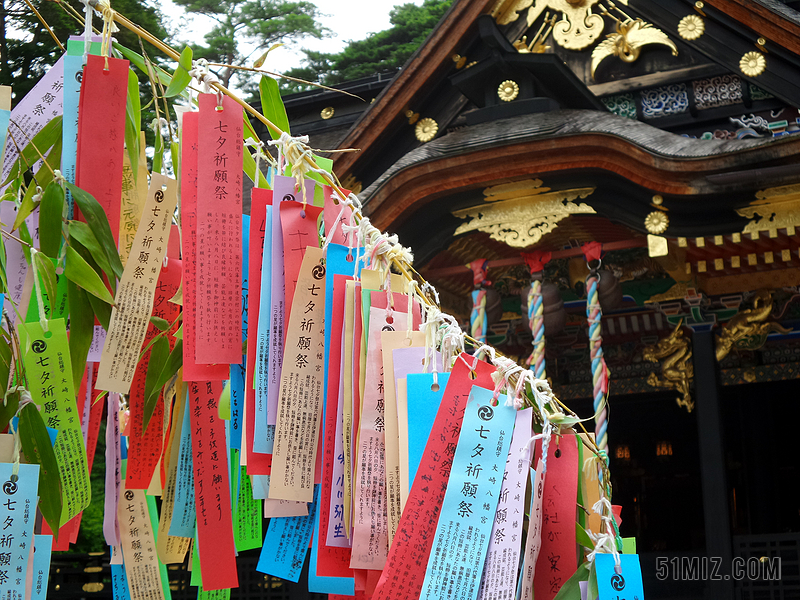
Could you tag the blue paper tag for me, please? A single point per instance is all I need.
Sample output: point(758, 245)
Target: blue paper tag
point(42, 549)
point(470, 501)
point(18, 496)
point(626, 585)
point(423, 403)
point(263, 434)
point(286, 544)
point(183, 511)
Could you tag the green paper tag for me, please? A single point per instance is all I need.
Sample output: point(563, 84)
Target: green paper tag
point(247, 516)
point(629, 545)
point(49, 375)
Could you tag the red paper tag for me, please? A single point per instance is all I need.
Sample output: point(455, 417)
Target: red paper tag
point(339, 567)
point(408, 557)
point(191, 370)
point(299, 230)
point(101, 134)
point(557, 559)
point(218, 325)
point(145, 450)
point(212, 491)
point(336, 215)
point(257, 463)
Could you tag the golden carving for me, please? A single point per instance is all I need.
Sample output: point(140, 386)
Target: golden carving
point(326, 113)
point(657, 246)
point(774, 208)
point(627, 42)
point(352, 184)
point(426, 129)
point(524, 214)
point(677, 370)
point(507, 11)
point(749, 328)
point(691, 27)
point(508, 90)
point(656, 222)
point(753, 64)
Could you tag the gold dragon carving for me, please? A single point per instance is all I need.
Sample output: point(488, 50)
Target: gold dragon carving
point(749, 328)
point(677, 372)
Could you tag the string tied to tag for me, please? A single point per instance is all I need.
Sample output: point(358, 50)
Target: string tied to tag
point(37, 287)
point(259, 156)
point(348, 231)
point(24, 399)
point(412, 286)
point(295, 150)
point(607, 540)
point(204, 77)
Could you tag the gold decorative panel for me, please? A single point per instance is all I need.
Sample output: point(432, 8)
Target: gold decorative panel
point(525, 214)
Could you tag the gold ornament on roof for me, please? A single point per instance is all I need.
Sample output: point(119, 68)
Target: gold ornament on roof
point(508, 90)
point(691, 27)
point(677, 370)
point(327, 112)
point(523, 212)
point(753, 64)
point(426, 129)
point(656, 222)
point(627, 42)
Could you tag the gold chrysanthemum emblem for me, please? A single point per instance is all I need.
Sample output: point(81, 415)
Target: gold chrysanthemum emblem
point(691, 27)
point(656, 222)
point(426, 129)
point(753, 64)
point(508, 90)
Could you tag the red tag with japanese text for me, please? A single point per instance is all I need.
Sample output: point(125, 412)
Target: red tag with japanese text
point(191, 370)
point(145, 450)
point(212, 491)
point(300, 230)
point(336, 216)
point(257, 463)
point(218, 325)
point(557, 559)
point(101, 134)
point(404, 573)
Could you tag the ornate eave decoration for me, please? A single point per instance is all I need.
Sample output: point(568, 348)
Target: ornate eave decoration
point(577, 24)
point(774, 208)
point(522, 213)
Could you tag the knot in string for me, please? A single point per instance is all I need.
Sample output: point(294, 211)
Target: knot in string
point(295, 150)
point(204, 77)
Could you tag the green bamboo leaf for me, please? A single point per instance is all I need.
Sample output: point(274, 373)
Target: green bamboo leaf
point(181, 77)
point(133, 119)
point(80, 231)
point(50, 219)
point(47, 137)
point(43, 178)
point(26, 207)
point(96, 218)
point(179, 334)
point(8, 408)
point(582, 537)
point(38, 449)
point(81, 330)
point(272, 106)
point(571, 590)
point(47, 274)
point(159, 355)
point(224, 404)
point(137, 60)
point(159, 323)
point(101, 309)
point(173, 363)
point(593, 593)
point(79, 272)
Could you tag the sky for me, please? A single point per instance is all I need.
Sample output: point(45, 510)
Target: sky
point(348, 19)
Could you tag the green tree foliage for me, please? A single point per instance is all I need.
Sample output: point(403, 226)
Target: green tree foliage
point(259, 23)
point(27, 50)
point(382, 51)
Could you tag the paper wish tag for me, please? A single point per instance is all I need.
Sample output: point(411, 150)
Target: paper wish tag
point(18, 515)
point(470, 502)
point(299, 409)
point(49, 371)
point(139, 547)
point(625, 585)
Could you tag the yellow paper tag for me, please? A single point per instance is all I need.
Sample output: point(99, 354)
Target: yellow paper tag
point(299, 414)
point(136, 291)
point(139, 547)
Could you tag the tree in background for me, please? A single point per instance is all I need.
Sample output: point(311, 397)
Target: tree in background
point(258, 23)
point(382, 51)
point(27, 50)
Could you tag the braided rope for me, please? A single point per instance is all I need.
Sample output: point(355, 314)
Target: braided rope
point(478, 325)
point(594, 316)
point(536, 320)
